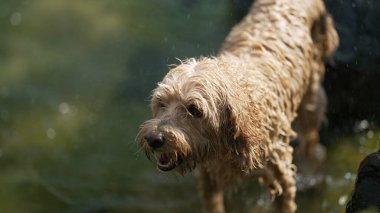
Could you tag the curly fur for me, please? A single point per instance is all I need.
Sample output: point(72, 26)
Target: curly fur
point(269, 70)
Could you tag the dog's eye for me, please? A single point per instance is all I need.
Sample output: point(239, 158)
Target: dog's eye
point(161, 105)
point(194, 111)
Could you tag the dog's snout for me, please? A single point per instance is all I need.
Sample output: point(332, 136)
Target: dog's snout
point(155, 139)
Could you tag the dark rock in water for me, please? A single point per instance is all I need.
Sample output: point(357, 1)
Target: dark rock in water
point(367, 187)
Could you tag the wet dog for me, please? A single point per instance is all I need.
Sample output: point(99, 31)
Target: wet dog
point(230, 117)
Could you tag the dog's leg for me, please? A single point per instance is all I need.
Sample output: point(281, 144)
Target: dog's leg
point(311, 114)
point(279, 177)
point(211, 192)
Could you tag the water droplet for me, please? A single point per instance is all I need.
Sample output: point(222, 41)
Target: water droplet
point(329, 180)
point(370, 134)
point(260, 202)
point(51, 133)
point(342, 200)
point(362, 125)
point(15, 18)
point(347, 176)
point(325, 204)
point(64, 108)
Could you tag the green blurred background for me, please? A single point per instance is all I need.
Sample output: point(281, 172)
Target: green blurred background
point(75, 81)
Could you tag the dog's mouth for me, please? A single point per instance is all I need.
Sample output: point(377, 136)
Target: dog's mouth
point(167, 162)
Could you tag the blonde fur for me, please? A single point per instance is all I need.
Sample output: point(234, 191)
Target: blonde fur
point(268, 71)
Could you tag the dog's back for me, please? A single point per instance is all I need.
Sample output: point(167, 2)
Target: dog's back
point(298, 33)
point(278, 23)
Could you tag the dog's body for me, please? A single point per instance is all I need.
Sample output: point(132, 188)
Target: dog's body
point(231, 116)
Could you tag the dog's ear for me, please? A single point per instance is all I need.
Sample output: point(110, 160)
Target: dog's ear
point(245, 135)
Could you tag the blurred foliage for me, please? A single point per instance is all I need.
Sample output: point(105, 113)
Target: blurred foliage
point(75, 77)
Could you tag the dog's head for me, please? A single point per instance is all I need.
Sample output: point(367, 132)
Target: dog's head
point(194, 118)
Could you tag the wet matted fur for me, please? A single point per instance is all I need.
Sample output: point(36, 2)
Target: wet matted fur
point(230, 117)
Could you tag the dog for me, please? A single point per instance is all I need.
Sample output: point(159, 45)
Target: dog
point(230, 117)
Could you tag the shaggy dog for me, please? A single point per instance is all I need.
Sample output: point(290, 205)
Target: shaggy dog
point(230, 117)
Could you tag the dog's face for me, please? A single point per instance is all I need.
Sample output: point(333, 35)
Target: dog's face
point(200, 113)
point(188, 111)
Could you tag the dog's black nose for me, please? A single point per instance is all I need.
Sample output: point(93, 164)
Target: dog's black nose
point(155, 139)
